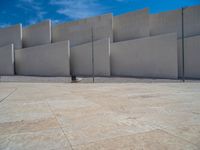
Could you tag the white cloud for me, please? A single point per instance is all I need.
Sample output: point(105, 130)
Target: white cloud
point(3, 25)
point(77, 9)
point(32, 6)
point(56, 21)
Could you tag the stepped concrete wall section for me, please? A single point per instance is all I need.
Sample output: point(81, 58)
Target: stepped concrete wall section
point(81, 59)
point(148, 57)
point(171, 21)
point(37, 34)
point(7, 60)
point(11, 35)
point(166, 22)
point(191, 55)
point(80, 32)
point(46, 60)
point(192, 21)
point(191, 29)
point(76, 37)
point(131, 25)
point(102, 57)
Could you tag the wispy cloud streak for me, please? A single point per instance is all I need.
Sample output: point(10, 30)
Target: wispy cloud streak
point(77, 9)
point(34, 7)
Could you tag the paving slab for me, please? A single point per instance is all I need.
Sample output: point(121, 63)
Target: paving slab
point(153, 140)
point(146, 115)
point(50, 139)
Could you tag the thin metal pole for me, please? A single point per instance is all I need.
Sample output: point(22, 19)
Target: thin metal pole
point(183, 47)
point(92, 55)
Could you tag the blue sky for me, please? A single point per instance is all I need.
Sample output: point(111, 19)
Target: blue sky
point(33, 11)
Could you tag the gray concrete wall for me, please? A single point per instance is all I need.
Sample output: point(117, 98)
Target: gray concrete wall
point(102, 57)
point(131, 25)
point(46, 60)
point(180, 56)
point(154, 57)
point(166, 22)
point(192, 21)
point(79, 32)
point(11, 35)
point(192, 54)
point(37, 34)
point(81, 59)
point(7, 60)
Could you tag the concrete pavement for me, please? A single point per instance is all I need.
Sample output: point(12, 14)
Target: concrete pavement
point(110, 116)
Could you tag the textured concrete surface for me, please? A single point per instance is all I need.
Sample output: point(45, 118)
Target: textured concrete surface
point(191, 53)
point(45, 60)
point(166, 22)
point(94, 116)
point(80, 32)
point(192, 62)
point(171, 21)
point(7, 60)
point(192, 21)
point(81, 59)
point(37, 34)
point(147, 57)
point(131, 25)
point(11, 35)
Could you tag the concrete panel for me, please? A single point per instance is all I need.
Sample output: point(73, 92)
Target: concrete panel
point(37, 34)
point(192, 21)
point(192, 53)
point(7, 60)
point(46, 60)
point(81, 59)
point(11, 35)
point(166, 22)
point(131, 25)
point(154, 57)
point(80, 32)
point(102, 57)
point(76, 37)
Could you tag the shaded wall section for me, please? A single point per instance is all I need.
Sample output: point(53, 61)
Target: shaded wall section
point(130, 26)
point(11, 35)
point(45, 60)
point(192, 61)
point(80, 32)
point(37, 34)
point(154, 57)
point(81, 59)
point(7, 60)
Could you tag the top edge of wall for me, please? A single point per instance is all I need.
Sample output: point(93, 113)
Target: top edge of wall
point(38, 24)
point(175, 10)
point(11, 26)
point(85, 20)
point(44, 45)
point(146, 10)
